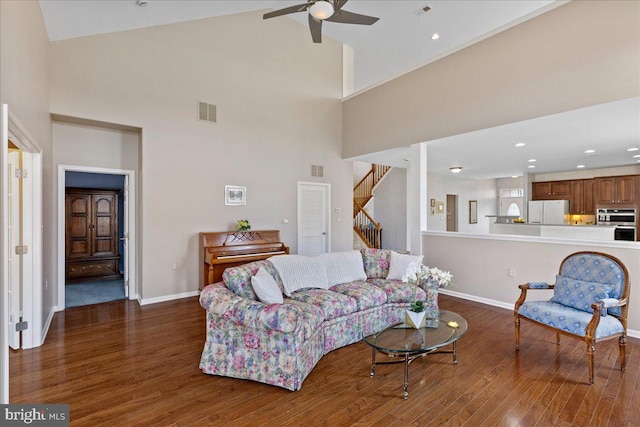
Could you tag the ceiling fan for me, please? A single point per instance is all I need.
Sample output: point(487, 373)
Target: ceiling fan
point(324, 10)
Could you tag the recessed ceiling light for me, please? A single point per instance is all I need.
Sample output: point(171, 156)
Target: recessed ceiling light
point(589, 151)
point(531, 160)
point(636, 156)
point(435, 36)
point(531, 166)
point(456, 169)
point(514, 176)
point(633, 149)
point(581, 166)
point(520, 144)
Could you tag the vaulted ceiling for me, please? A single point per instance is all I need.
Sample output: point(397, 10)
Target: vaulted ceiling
point(399, 42)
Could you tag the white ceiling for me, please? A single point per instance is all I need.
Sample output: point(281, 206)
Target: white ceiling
point(399, 42)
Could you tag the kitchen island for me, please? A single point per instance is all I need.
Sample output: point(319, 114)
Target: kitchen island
point(563, 231)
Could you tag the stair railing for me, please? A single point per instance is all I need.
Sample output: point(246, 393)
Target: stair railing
point(364, 226)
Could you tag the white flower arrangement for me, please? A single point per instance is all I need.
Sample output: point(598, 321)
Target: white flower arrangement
point(442, 278)
point(417, 272)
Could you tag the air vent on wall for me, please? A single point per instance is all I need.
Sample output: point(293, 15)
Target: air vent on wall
point(317, 171)
point(206, 112)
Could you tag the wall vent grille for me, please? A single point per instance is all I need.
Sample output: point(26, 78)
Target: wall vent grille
point(207, 112)
point(317, 170)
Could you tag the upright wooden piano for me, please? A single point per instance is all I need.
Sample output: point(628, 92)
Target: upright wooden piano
point(220, 250)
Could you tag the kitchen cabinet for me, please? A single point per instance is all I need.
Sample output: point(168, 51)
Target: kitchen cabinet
point(589, 206)
point(551, 190)
point(581, 197)
point(615, 190)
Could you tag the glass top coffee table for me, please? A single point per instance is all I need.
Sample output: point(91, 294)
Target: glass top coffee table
point(407, 343)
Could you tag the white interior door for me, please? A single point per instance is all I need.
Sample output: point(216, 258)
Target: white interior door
point(4, 312)
point(13, 240)
point(313, 218)
point(125, 236)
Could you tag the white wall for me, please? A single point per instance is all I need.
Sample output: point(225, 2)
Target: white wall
point(390, 203)
point(360, 169)
point(279, 112)
point(484, 191)
point(552, 63)
point(480, 265)
point(75, 144)
point(24, 86)
point(99, 147)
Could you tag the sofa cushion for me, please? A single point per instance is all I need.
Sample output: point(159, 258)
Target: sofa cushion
point(376, 262)
point(266, 287)
point(238, 279)
point(299, 272)
point(579, 294)
point(343, 267)
point(568, 319)
point(331, 303)
point(398, 264)
point(398, 291)
point(365, 294)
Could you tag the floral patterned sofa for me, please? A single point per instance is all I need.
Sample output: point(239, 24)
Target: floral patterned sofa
point(279, 344)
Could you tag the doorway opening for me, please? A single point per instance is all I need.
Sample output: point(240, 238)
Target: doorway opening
point(99, 235)
point(94, 238)
point(452, 212)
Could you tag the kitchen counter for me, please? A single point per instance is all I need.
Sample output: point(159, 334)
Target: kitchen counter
point(566, 231)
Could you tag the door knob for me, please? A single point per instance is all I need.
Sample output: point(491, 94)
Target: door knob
point(324, 234)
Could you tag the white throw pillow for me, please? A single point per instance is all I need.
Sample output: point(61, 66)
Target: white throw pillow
point(398, 264)
point(299, 272)
point(343, 267)
point(265, 286)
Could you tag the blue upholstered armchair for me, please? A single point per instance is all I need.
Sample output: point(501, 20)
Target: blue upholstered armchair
point(589, 302)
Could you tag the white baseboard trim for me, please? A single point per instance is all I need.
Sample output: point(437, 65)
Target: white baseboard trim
point(146, 301)
point(630, 332)
point(47, 324)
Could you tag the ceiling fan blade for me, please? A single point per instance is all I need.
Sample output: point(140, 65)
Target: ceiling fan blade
point(344, 17)
point(340, 3)
point(315, 26)
point(286, 11)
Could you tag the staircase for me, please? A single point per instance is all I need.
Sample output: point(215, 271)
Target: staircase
point(363, 225)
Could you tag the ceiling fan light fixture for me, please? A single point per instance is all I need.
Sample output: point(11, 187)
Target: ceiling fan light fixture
point(456, 169)
point(321, 10)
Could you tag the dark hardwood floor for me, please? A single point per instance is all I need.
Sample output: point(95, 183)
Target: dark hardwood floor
point(119, 364)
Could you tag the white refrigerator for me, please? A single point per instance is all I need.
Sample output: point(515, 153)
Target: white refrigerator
point(549, 212)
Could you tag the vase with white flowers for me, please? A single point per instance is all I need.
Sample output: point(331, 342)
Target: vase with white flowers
point(416, 272)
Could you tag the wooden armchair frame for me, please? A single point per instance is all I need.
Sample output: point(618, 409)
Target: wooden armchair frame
point(590, 333)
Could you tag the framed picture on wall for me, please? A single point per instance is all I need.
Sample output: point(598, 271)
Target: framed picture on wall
point(473, 211)
point(235, 195)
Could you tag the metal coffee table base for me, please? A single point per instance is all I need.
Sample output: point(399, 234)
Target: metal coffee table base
point(407, 358)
